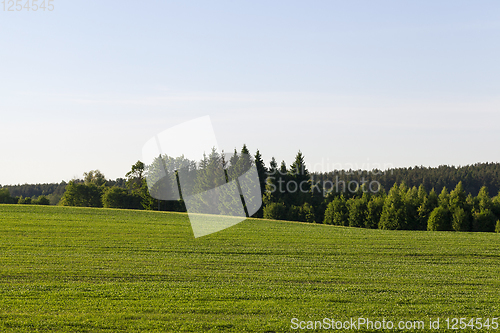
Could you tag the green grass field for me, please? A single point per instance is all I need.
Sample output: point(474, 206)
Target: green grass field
point(87, 270)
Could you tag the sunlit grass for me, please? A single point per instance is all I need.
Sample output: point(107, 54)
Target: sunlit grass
point(79, 269)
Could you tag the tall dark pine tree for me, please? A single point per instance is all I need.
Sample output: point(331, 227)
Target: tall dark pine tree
point(262, 173)
point(261, 170)
point(298, 192)
point(270, 193)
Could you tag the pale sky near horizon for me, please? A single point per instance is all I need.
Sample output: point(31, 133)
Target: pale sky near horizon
point(356, 84)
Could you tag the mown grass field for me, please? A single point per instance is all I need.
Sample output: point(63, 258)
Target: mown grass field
point(87, 270)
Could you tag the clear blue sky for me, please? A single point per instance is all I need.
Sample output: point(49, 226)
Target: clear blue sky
point(349, 83)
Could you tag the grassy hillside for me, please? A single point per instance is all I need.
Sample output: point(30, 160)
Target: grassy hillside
point(81, 269)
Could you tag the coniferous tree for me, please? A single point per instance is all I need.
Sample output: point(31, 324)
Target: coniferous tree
point(262, 173)
point(412, 203)
point(427, 204)
point(271, 189)
point(461, 217)
point(460, 220)
point(441, 217)
point(495, 205)
point(298, 182)
point(248, 182)
point(281, 181)
point(393, 213)
point(444, 198)
point(483, 217)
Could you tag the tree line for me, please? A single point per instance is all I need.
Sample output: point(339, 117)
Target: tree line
point(405, 208)
point(341, 197)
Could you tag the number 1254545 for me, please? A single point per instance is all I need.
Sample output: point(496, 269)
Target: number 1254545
point(27, 5)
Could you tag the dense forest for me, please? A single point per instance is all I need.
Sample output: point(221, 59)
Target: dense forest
point(415, 198)
point(473, 177)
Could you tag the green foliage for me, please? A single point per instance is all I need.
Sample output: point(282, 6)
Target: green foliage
point(41, 200)
point(497, 227)
point(294, 213)
point(270, 194)
point(460, 209)
point(412, 201)
point(308, 213)
point(135, 177)
point(357, 211)
point(5, 197)
point(460, 220)
point(53, 192)
point(246, 181)
point(336, 212)
point(495, 205)
point(262, 173)
point(374, 211)
point(439, 220)
point(116, 197)
point(458, 197)
point(82, 195)
point(24, 201)
point(484, 221)
point(484, 201)
point(473, 177)
point(426, 208)
point(275, 211)
point(405, 207)
point(444, 198)
point(304, 213)
point(393, 213)
point(94, 177)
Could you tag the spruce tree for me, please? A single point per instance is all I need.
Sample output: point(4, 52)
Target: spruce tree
point(271, 189)
point(299, 179)
point(483, 217)
point(427, 204)
point(393, 213)
point(461, 217)
point(412, 203)
point(261, 170)
point(441, 216)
